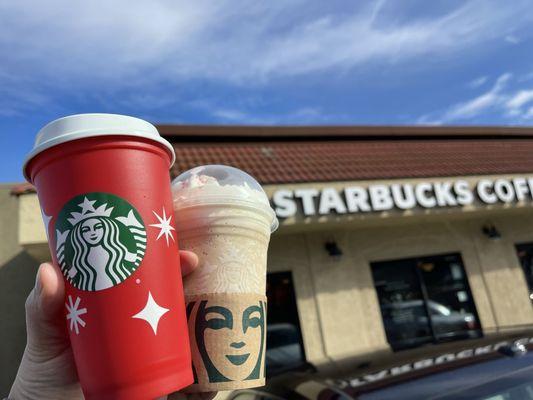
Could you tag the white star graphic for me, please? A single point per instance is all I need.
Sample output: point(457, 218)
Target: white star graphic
point(151, 313)
point(46, 220)
point(74, 313)
point(87, 205)
point(164, 225)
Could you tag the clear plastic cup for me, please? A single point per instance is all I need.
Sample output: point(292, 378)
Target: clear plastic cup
point(224, 216)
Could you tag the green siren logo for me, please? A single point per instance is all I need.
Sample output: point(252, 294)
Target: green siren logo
point(101, 240)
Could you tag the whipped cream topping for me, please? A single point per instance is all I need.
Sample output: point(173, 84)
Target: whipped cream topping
point(203, 188)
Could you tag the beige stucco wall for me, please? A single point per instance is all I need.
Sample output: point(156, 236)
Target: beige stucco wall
point(338, 306)
point(31, 227)
point(17, 276)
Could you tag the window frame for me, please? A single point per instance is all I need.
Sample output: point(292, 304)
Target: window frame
point(529, 281)
point(422, 287)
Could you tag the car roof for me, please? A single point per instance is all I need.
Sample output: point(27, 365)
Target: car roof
point(357, 375)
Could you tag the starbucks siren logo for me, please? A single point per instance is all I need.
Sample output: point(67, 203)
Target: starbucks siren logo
point(101, 240)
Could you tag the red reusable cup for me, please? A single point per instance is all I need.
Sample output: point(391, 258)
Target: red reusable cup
point(104, 190)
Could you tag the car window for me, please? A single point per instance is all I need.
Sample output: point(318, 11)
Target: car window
point(438, 309)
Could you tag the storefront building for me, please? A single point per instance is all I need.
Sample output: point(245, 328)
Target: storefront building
point(390, 237)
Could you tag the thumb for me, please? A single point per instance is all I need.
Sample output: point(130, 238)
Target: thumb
point(44, 312)
point(189, 262)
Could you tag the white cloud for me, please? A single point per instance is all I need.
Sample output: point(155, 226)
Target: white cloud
point(526, 77)
point(529, 113)
point(299, 116)
point(512, 39)
point(519, 99)
point(429, 120)
point(226, 114)
point(477, 105)
point(478, 82)
point(500, 99)
point(121, 46)
point(232, 41)
point(333, 42)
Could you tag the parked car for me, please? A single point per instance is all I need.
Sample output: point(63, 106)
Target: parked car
point(407, 325)
point(498, 367)
point(284, 350)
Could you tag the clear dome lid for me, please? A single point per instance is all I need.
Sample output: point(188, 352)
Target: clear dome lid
point(220, 184)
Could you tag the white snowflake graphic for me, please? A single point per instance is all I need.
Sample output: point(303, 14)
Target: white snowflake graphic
point(74, 313)
point(164, 226)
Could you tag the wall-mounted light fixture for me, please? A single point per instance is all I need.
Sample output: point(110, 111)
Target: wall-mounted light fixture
point(491, 232)
point(333, 249)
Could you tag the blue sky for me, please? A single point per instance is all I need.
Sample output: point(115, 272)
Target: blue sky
point(281, 63)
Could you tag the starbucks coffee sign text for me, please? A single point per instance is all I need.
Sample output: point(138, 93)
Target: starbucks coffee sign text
point(402, 196)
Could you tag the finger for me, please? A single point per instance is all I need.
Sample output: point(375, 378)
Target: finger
point(189, 262)
point(44, 306)
point(53, 290)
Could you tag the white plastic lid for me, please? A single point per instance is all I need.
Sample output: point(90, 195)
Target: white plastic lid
point(82, 126)
point(220, 184)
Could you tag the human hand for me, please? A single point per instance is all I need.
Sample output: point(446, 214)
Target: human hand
point(47, 370)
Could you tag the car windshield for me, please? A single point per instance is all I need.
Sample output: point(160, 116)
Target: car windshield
point(501, 379)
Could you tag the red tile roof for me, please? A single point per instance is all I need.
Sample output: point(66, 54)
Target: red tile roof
point(241, 132)
point(346, 160)
point(22, 188)
point(314, 154)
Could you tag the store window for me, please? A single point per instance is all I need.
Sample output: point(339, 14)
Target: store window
point(284, 340)
point(425, 300)
point(525, 255)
